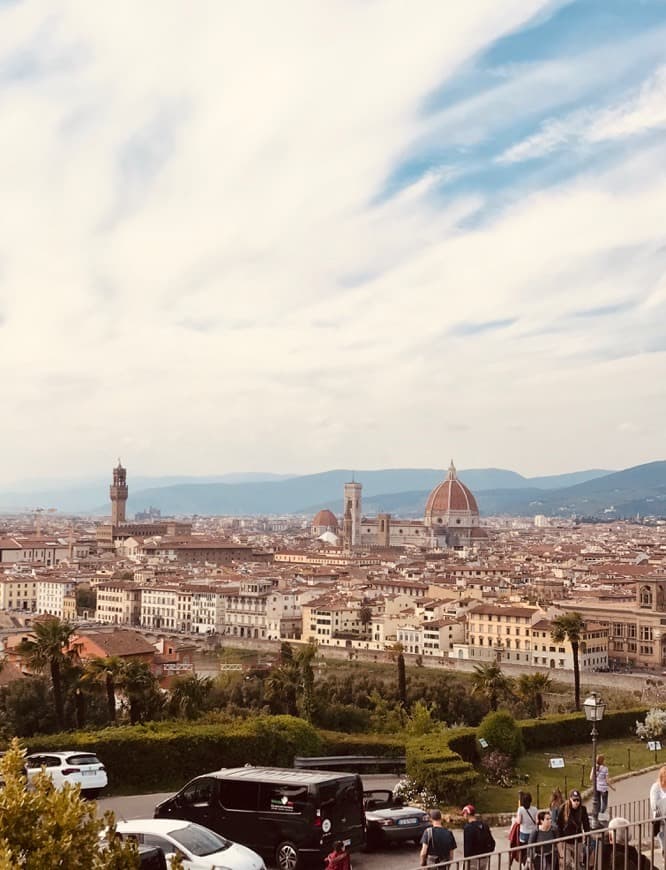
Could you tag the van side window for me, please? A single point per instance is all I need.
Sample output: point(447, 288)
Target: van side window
point(239, 795)
point(283, 798)
point(199, 792)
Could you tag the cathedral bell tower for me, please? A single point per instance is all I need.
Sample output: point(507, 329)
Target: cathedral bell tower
point(118, 494)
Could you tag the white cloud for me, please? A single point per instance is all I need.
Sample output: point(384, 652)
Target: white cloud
point(642, 112)
point(198, 266)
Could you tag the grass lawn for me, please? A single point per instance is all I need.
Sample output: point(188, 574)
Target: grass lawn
point(534, 774)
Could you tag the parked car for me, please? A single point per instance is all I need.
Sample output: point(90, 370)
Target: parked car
point(76, 768)
point(151, 858)
point(388, 820)
point(199, 848)
point(288, 816)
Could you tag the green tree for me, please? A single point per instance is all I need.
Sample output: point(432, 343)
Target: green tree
point(26, 707)
point(531, 689)
point(365, 615)
point(502, 734)
point(569, 626)
point(46, 827)
point(50, 651)
point(139, 686)
point(490, 682)
point(402, 680)
point(190, 694)
point(86, 599)
point(304, 661)
point(107, 671)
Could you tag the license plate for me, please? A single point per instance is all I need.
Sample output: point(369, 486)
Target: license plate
point(88, 772)
point(406, 821)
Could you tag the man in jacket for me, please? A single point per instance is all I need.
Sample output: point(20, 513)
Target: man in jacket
point(572, 819)
point(477, 839)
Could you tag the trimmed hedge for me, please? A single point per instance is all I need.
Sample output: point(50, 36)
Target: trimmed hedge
point(443, 763)
point(335, 743)
point(163, 755)
point(159, 755)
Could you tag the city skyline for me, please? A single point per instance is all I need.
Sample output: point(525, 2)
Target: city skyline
point(343, 235)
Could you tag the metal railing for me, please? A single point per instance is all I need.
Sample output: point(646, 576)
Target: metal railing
point(600, 849)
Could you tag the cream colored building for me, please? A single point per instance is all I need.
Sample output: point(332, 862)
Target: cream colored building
point(51, 595)
point(118, 603)
point(18, 592)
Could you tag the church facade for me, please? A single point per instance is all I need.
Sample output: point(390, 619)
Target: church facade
point(451, 520)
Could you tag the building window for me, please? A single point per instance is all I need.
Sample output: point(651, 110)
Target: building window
point(645, 597)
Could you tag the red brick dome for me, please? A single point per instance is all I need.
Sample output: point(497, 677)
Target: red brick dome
point(451, 496)
point(325, 519)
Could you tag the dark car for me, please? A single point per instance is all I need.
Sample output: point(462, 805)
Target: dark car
point(288, 816)
point(388, 820)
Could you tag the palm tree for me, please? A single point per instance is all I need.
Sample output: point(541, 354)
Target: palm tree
point(190, 694)
point(304, 661)
point(106, 670)
point(139, 685)
point(531, 689)
point(569, 626)
point(490, 682)
point(50, 650)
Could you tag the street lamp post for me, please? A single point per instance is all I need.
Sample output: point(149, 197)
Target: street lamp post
point(594, 712)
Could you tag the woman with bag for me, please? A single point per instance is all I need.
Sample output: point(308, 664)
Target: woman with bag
point(526, 817)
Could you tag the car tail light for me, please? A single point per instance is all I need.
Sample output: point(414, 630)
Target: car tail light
point(67, 770)
point(385, 823)
point(317, 822)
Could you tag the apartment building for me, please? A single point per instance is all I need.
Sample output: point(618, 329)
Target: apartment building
point(51, 594)
point(166, 607)
point(333, 618)
point(244, 609)
point(18, 592)
point(118, 602)
point(435, 637)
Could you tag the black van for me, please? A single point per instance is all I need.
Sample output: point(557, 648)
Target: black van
point(289, 816)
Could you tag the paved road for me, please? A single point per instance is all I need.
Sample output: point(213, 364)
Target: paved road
point(404, 857)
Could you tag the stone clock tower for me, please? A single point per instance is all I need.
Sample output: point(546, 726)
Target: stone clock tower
point(118, 493)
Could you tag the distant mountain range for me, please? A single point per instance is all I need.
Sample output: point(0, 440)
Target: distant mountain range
point(400, 491)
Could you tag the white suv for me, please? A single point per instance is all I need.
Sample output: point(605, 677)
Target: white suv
point(76, 768)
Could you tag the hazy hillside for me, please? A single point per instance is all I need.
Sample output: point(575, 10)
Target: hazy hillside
point(401, 491)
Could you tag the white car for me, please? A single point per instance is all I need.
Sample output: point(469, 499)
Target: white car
point(76, 768)
point(199, 847)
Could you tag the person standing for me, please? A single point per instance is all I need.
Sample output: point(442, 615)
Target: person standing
point(556, 801)
point(526, 817)
point(572, 820)
point(544, 855)
point(602, 783)
point(658, 804)
point(477, 840)
point(437, 842)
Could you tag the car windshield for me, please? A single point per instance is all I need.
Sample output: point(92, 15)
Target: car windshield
point(199, 841)
point(81, 760)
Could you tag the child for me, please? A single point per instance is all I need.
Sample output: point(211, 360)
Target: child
point(339, 858)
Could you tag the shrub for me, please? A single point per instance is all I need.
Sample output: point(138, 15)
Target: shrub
point(502, 733)
point(497, 768)
point(165, 754)
point(654, 725)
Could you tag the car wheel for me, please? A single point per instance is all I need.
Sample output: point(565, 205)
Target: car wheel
point(286, 856)
point(90, 793)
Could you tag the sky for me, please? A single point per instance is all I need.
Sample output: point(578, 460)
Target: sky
point(297, 236)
